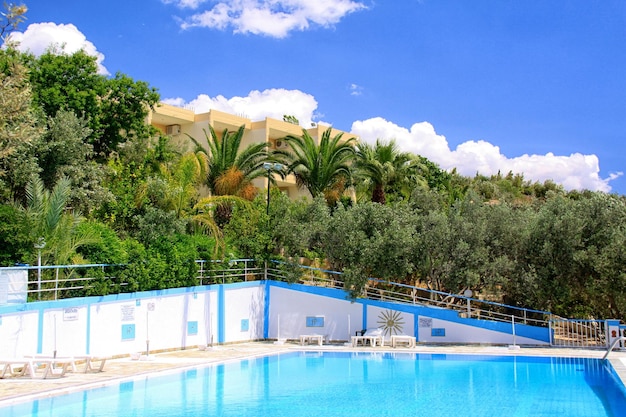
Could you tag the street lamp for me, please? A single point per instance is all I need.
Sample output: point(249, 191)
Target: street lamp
point(41, 243)
point(270, 167)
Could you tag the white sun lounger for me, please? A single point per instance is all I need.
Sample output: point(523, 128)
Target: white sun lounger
point(396, 339)
point(33, 368)
point(89, 363)
point(14, 367)
point(373, 336)
point(311, 338)
point(93, 363)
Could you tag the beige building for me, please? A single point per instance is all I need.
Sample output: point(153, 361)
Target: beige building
point(177, 122)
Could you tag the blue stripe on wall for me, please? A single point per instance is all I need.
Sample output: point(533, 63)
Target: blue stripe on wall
point(88, 330)
point(266, 312)
point(221, 315)
point(40, 332)
point(365, 315)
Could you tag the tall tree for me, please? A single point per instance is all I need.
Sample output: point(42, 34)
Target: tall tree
point(371, 240)
point(19, 126)
point(62, 151)
point(12, 17)
point(323, 169)
point(16, 245)
point(115, 108)
point(176, 188)
point(231, 169)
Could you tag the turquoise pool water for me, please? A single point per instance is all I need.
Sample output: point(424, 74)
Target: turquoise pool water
point(356, 384)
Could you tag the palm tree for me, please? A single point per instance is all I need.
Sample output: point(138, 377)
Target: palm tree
point(231, 170)
point(51, 221)
point(383, 169)
point(322, 169)
point(182, 179)
point(206, 218)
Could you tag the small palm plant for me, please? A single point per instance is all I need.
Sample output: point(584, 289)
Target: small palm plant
point(50, 220)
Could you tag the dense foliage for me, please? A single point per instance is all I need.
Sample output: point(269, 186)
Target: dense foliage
point(80, 171)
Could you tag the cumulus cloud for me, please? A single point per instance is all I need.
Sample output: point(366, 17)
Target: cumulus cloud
point(274, 18)
point(185, 4)
point(257, 105)
point(575, 171)
point(38, 37)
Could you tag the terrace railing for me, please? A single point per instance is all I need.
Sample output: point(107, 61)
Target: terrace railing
point(224, 272)
point(39, 283)
point(575, 333)
point(34, 283)
point(467, 307)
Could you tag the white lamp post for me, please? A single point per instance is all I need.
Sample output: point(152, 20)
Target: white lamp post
point(269, 167)
point(41, 243)
point(468, 293)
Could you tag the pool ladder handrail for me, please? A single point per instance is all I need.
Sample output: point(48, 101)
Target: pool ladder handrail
point(615, 342)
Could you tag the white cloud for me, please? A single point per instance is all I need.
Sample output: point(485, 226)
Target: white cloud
point(38, 37)
point(576, 171)
point(185, 4)
point(355, 90)
point(274, 18)
point(258, 105)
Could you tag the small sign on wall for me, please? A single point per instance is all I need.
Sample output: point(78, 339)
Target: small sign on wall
point(438, 332)
point(70, 314)
point(128, 331)
point(245, 325)
point(192, 327)
point(425, 322)
point(315, 321)
point(128, 312)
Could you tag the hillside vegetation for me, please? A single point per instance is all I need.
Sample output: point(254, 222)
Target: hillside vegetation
point(80, 169)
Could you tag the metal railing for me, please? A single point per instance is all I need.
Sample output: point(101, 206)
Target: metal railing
point(401, 293)
point(57, 282)
point(40, 283)
point(225, 272)
point(617, 341)
point(26, 283)
point(578, 333)
point(37, 283)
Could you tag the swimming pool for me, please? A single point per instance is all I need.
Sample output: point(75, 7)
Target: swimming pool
point(356, 384)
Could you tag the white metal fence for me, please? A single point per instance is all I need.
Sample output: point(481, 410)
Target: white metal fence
point(467, 307)
point(66, 281)
point(578, 333)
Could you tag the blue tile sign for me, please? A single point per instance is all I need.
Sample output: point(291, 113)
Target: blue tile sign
point(192, 327)
point(245, 325)
point(128, 331)
point(438, 332)
point(315, 321)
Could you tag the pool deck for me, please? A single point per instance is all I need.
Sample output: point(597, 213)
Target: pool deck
point(19, 389)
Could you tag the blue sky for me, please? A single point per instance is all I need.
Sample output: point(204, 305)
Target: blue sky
point(536, 87)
